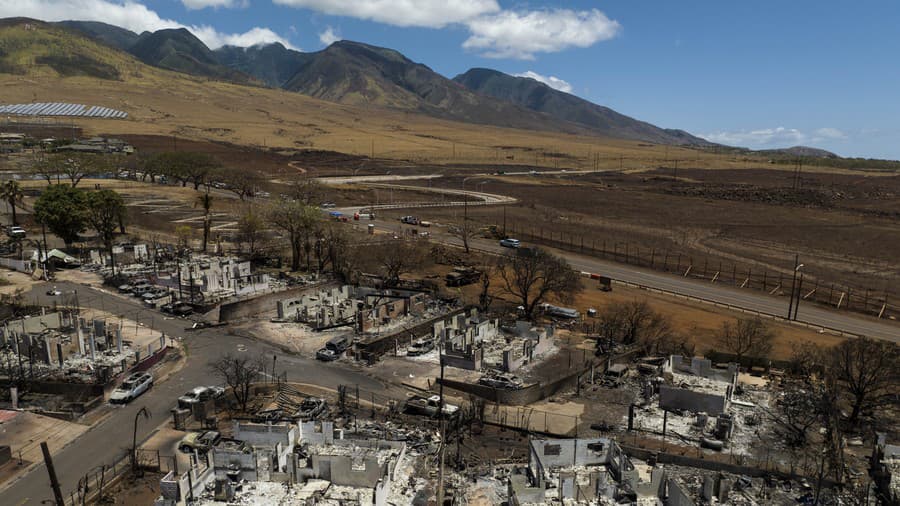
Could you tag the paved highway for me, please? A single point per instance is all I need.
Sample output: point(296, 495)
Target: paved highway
point(109, 439)
point(747, 299)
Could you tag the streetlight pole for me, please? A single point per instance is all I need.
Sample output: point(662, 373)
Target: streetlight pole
point(799, 294)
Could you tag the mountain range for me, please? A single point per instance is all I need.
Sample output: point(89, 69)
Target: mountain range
point(363, 75)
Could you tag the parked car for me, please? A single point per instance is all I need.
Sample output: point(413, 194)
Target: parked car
point(53, 292)
point(156, 293)
point(501, 381)
point(200, 394)
point(428, 406)
point(328, 205)
point(462, 276)
point(140, 290)
point(420, 347)
point(199, 441)
point(409, 220)
point(130, 389)
point(126, 288)
point(16, 232)
point(510, 243)
point(182, 309)
point(328, 355)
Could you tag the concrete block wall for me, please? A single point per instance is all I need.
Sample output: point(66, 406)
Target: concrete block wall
point(317, 432)
point(676, 496)
point(469, 359)
point(257, 434)
point(697, 402)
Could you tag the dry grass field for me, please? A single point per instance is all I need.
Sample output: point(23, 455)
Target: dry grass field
point(169, 104)
point(846, 228)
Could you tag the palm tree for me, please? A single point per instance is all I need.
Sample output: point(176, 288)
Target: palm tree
point(205, 201)
point(11, 193)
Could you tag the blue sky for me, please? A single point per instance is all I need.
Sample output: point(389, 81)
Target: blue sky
point(758, 74)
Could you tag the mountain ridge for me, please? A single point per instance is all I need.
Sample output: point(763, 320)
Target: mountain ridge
point(360, 74)
point(537, 96)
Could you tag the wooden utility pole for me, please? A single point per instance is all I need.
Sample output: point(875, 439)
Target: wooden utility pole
point(54, 483)
point(793, 286)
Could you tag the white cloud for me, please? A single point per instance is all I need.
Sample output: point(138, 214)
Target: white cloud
point(425, 13)
point(215, 4)
point(329, 37)
point(830, 133)
point(551, 81)
point(131, 15)
point(775, 137)
point(520, 35)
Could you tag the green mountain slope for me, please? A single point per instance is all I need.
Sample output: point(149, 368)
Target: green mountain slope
point(110, 35)
point(273, 64)
point(179, 50)
point(38, 49)
point(360, 74)
point(537, 96)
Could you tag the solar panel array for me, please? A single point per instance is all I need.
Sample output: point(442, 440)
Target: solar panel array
point(62, 109)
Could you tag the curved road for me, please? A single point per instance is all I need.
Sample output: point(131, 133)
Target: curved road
point(109, 439)
point(749, 300)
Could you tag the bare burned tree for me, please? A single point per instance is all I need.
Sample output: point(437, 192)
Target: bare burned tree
point(799, 410)
point(532, 277)
point(865, 370)
point(399, 258)
point(465, 231)
point(485, 297)
point(747, 337)
point(238, 372)
point(636, 322)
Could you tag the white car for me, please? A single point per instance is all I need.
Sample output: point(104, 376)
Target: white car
point(509, 243)
point(200, 394)
point(133, 386)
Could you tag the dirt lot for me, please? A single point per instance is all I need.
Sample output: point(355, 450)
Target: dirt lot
point(846, 228)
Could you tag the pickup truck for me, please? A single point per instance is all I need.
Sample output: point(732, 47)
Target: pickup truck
point(428, 406)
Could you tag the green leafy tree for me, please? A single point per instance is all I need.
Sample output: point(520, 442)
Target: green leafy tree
point(296, 220)
point(11, 193)
point(63, 210)
point(185, 167)
point(106, 213)
point(250, 228)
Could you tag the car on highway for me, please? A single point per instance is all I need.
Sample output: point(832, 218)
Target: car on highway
point(200, 394)
point(199, 442)
point(409, 220)
point(510, 243)
point(130, 389)
point(328, 205)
